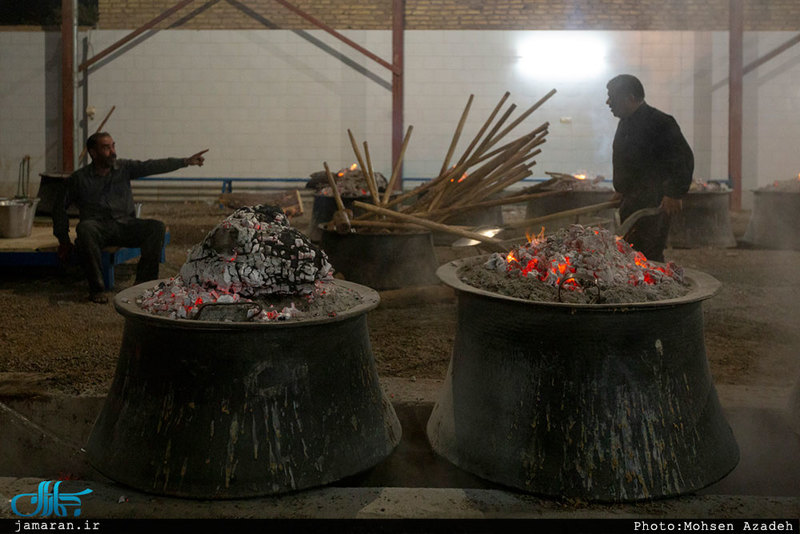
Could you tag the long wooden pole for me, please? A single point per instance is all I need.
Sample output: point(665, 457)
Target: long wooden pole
point(566, 213)
point(496, 244)
point(456, 135)
point(454, 210)
point(398, 165)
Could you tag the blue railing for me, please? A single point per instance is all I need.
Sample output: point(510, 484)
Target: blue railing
point(227, 183)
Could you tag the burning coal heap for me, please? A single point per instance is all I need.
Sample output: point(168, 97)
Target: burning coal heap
point(350, 181)
point(708, 187)
point(253, 253)
point(578, 182)
point(578, 264)
point(783, 186)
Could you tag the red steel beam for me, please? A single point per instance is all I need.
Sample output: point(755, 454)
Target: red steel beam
point(321, 25)
point(180, 5)
point(67, 87)
point(771, 54)
point(735, 101)
point(398, 57)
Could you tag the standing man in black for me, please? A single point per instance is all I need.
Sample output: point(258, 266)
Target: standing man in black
point(652, 164)
point(102, 192)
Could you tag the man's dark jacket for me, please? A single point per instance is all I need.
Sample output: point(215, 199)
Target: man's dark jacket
point(106, 197)
point(651, 159)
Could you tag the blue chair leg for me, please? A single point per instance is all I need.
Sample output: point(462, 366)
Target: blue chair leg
point(107, 261)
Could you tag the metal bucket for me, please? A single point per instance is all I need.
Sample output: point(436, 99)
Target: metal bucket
point(383, 261)
point(16, 216)
point(704, 221)
point(596, 402)
point(538, 207)
point(218, 410)
point(775, 220)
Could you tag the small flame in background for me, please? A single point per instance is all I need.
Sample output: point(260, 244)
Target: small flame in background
point(579, 176)
point(352, 167)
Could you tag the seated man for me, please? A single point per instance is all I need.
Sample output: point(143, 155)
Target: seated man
point(102, 192)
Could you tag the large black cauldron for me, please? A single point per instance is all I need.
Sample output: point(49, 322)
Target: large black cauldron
point(703, 221)
point(595, 402)
point(383, 260)
point(775, 220)
point(222, 410)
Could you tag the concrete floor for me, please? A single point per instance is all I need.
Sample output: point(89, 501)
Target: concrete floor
point(41, 438)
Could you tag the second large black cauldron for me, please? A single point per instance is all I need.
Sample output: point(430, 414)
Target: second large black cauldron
point(389, 260)
point(213, 409)
point(703, 221)
point(775, 220)
point(594, 402)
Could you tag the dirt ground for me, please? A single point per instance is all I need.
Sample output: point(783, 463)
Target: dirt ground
point(53, 340)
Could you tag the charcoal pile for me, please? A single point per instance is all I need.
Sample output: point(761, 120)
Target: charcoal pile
point(783, 186)
point(582, 265)
point(708, 187)
point(253, 256)
point(351, 182)
point(577, 182)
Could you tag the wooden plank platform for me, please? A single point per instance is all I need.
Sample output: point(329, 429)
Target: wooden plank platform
point(40, 240)
point(41, 249)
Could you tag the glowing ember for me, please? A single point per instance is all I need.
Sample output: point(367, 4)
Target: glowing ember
point(783, 186)
point(253, 253)
point(589, 262)
point(350, 181)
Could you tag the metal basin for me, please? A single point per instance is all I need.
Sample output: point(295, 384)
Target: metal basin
point(775, 220)
point(596, 402)
point(704, 221)
point(382, 261)
point(16, 216)
point(219, 410)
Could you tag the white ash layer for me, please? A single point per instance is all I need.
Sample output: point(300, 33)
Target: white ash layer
point(577, 264)
point(253, 253)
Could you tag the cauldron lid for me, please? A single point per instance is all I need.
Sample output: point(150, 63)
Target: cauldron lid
point(701, 286)
point(125, 304)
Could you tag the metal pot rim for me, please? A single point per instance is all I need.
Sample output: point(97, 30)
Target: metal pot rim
point(702, 287)
point(125, 304)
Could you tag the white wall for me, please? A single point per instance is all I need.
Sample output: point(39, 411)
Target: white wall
point(278, 103)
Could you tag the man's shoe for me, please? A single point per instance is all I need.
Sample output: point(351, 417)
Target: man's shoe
point(98, 298)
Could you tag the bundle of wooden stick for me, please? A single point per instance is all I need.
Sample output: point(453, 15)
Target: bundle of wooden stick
point(475, 181)
point(484, 170)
